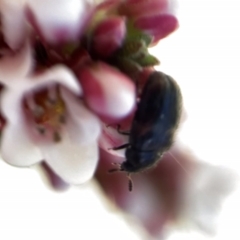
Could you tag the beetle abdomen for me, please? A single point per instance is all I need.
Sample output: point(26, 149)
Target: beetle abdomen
point(158, 114)
point(154, 124)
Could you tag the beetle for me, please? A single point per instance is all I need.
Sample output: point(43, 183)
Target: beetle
point(154, 124)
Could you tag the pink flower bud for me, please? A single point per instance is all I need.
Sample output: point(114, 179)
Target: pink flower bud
point(109, 6)
point(107, 91)
point(138, 8)
point(158, 26)
point(109, 35)
point(154, 17)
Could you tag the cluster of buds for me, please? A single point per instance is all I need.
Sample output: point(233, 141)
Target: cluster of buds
point(67, 70)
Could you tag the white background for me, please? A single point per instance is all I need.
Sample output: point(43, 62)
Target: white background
point(204, 57)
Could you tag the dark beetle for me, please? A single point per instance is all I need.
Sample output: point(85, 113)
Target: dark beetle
point(154, 124)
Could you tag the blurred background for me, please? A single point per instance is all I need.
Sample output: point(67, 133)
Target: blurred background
point(203, 56)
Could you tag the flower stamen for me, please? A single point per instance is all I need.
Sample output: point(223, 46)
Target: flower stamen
point(47, 110)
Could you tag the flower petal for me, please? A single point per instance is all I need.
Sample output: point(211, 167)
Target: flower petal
point(17, 148)
point(82, 125)
point(75, 163)
point(16, 66)
point(158, 26)
point(139, 8)
point(204, 194)
point(57, 74)
point(75, 157)
point(59, 20)
point(13, 22)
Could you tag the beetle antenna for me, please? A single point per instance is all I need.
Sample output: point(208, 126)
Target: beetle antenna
point(130, 183)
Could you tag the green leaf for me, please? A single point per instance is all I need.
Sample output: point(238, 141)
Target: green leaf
point(132, 48)
point(147, 61)
point(128, 66)
point(135, 34)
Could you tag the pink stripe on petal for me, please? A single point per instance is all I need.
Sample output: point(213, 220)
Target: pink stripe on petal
point(16, 66)
point(13, 22)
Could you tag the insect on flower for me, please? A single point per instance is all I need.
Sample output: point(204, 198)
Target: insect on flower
point(154, 125)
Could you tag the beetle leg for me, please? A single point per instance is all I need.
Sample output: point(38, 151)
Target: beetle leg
point(130, 183)
point(120, 147)
point(118, 130)
point(122, 132)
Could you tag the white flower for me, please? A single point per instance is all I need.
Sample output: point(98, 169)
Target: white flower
point(59, 20)
point(46, 120)
point(54, 20)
